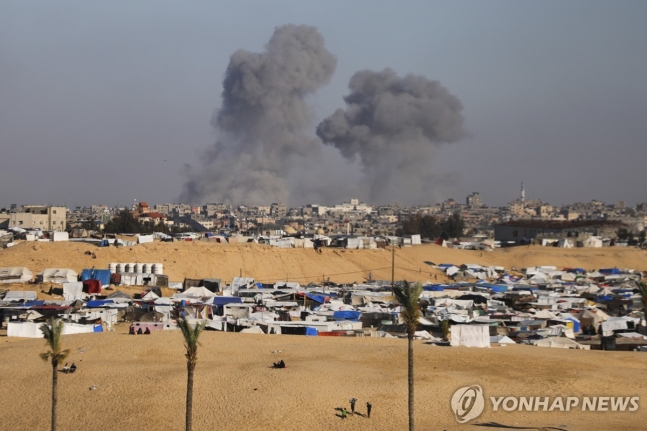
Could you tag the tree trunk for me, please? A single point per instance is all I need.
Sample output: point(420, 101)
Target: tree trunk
point(189, 397)
point(411, 427)
point(54, 393)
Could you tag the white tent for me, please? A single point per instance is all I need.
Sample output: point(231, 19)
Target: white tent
point(19, 295)
point(593, 241)
point(195, 292)
point(252, 330)
point(470, 335)
point(57, 275)
point(32, 330)
point(72, 290)
point(560, 343)
point(564, 243)
point(16, 274)
point(150, 296)
point(501, 339)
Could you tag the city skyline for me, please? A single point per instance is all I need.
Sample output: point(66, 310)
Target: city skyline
point(114, 103)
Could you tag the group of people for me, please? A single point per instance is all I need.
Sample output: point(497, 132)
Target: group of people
point(279, 364)
point(353, 401)
point(68, 370)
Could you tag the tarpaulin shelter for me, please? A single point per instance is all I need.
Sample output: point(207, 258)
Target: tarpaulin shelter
point(103, 275)
point(92, 286)
point(353, 316)
point(72, 290)
point(57, 275)
point(17, 274)
point(470, 335)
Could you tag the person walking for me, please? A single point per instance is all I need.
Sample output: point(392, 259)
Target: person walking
point(369, 406)
point(343, 413)
point(352, 405)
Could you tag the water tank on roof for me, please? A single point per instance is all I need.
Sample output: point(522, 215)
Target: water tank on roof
point(147, 268)
point(112, 267)
point(139, 268)
point(121, 267)
point(130, 267)
point(158, 268)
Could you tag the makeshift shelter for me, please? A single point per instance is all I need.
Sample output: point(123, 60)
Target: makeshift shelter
point(92, 287)
point(57, 275)
point(72, 290)
point(470, 335)
point(560, 343)
point(103, 275)
point(593, 241)
point(213, 284)
point(20, 295)
point(16, 274)
point(195, 292)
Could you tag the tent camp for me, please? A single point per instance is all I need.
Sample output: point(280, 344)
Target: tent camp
point(16, 274)
point(57, 275)
point(194, 293)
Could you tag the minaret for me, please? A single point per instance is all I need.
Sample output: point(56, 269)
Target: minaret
point(523, 194)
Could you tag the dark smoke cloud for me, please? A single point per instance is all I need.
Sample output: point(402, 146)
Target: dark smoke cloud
point(393, 125)
point(262, 120)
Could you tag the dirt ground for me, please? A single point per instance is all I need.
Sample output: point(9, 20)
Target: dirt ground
point(141, 383)
point(270, 264)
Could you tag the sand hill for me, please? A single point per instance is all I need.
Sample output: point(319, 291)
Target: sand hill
point(264, 263)
point(141, 383)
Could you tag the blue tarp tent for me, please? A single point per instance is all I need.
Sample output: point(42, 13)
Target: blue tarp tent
point(445, 265)
point(34, 304)
point(604, 298)
point(347, 315)
point(317, 298)
point(103, 275)
point(524, 288)
point(98, 303)
point(224, 300)
point(610, 271)
point(98, 328)
point(433, 288)
point(576, 324)
point(311, 331)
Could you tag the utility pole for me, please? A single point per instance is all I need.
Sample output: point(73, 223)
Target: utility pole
point(392, 267)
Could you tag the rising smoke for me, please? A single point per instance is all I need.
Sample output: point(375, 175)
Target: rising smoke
point(262, 122)
point(393, 125)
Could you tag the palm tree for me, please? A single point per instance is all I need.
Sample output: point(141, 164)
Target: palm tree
point(52, 333)
point(191, 334)
point(642, 287)
point(408, 295)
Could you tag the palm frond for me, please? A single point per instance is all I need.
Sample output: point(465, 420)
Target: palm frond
point(408, 295)
point(53, 332)
point(191, 334)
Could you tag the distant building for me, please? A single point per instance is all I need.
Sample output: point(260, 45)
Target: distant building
point(39, 217)
point(521, 230)
point(474, 200)
point(278, 210)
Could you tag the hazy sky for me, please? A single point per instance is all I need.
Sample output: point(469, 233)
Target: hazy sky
point(106, 102)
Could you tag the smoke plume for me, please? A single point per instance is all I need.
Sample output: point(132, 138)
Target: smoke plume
point(261, 124)
point(393, 125)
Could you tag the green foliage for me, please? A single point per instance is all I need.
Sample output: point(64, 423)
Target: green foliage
point(191, 334)
point(623, 234)
point(408, 295)
point(642, 287)
point(52, 334)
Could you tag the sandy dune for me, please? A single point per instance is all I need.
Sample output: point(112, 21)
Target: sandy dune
point(264, 263)
point(141, 383)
